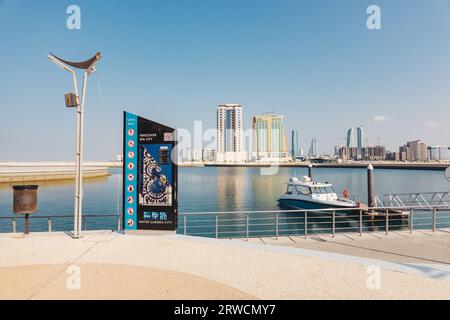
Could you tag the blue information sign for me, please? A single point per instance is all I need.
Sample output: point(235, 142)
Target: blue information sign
point(149, 175)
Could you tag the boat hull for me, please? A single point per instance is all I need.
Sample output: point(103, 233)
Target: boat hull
point(309, 205)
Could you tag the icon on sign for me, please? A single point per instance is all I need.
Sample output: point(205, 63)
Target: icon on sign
point(131, 132)
point(130, 188)
point(131, 143)
point(130, 177)
point(168, 136)
point(131, 154)
point(131, 166)
point(130, 211)
point(130, 222)
point(130, 200)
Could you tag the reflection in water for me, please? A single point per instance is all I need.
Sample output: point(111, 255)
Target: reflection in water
point(57, 198)
point(230, 189)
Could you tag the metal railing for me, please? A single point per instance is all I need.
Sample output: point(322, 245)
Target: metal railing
point(276, 223)
point(415, 199)
point(52, 218)
point(271, 223)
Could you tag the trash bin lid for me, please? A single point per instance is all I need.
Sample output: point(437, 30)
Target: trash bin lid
point(27, 187)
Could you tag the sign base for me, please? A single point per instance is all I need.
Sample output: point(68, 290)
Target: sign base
point(150, 232)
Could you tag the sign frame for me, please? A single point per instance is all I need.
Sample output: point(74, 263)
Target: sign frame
point(150, 176)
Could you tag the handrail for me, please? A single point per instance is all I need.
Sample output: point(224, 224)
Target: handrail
point(409, 193)
point(326, 210)
point(278, 223)
point(359, 220)
point(19, 216)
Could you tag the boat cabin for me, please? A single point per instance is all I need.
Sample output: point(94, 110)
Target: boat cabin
point(310, 189)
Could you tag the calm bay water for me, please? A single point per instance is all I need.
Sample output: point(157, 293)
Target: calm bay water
point(212, 189)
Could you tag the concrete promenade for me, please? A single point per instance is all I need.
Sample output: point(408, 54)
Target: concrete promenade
point(116, 266)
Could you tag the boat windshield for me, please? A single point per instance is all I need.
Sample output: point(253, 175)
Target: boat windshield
point(323, 190)
point(304, 190)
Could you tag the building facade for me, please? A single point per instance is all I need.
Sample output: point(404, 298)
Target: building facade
point(351, 138)
point(295, 151)
point(269, 138)
point(414, 151)
point(313, 151)
point(377, 153)
point(438, 153)
point(230, 133)
point(392, 156)
point(356, 138)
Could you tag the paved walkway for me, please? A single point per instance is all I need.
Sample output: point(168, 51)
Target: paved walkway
point(421, 246)
point(113, 265)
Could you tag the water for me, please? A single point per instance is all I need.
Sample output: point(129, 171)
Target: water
point(213, 189)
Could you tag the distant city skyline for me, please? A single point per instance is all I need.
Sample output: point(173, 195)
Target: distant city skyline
point(315, 62)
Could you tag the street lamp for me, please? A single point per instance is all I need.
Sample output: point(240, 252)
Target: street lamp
point(72, 100)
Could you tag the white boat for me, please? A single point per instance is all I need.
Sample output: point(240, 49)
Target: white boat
point(306, 194)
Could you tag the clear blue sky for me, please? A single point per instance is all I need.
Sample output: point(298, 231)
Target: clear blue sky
point(173, 61)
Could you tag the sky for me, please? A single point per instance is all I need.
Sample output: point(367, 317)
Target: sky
point(313, 61)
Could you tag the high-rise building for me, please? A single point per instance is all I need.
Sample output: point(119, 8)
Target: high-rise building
point(230, 133)
point(414, 151)
point(373, 153)
point(269, 138)
point(438, 153)
point(295, 151)
point(313, 150)
point(356, 138)
point(392, 156)
point(351, 138)
point(360, 137)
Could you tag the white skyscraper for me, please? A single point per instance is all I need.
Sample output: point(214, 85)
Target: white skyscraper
point(360, 137)
point(356, 138)
point(351, 138)
point(230, 133)
point(313, 150)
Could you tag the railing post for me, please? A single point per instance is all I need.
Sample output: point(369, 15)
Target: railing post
point(49, 223)
point(276, 226)
point(184, 225)
point(246, 227)
point(434, 219)
point(333, 230)
point(411, 220)
point(217, 226)
point(387, 221)
point(360, 223)
point(14, 225)
point(306, 225)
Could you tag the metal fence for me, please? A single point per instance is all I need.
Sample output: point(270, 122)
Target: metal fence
point(304, 223)
point(254, 224)
point(51, 223)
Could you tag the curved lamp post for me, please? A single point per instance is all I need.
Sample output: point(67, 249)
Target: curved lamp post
point(89, 67)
